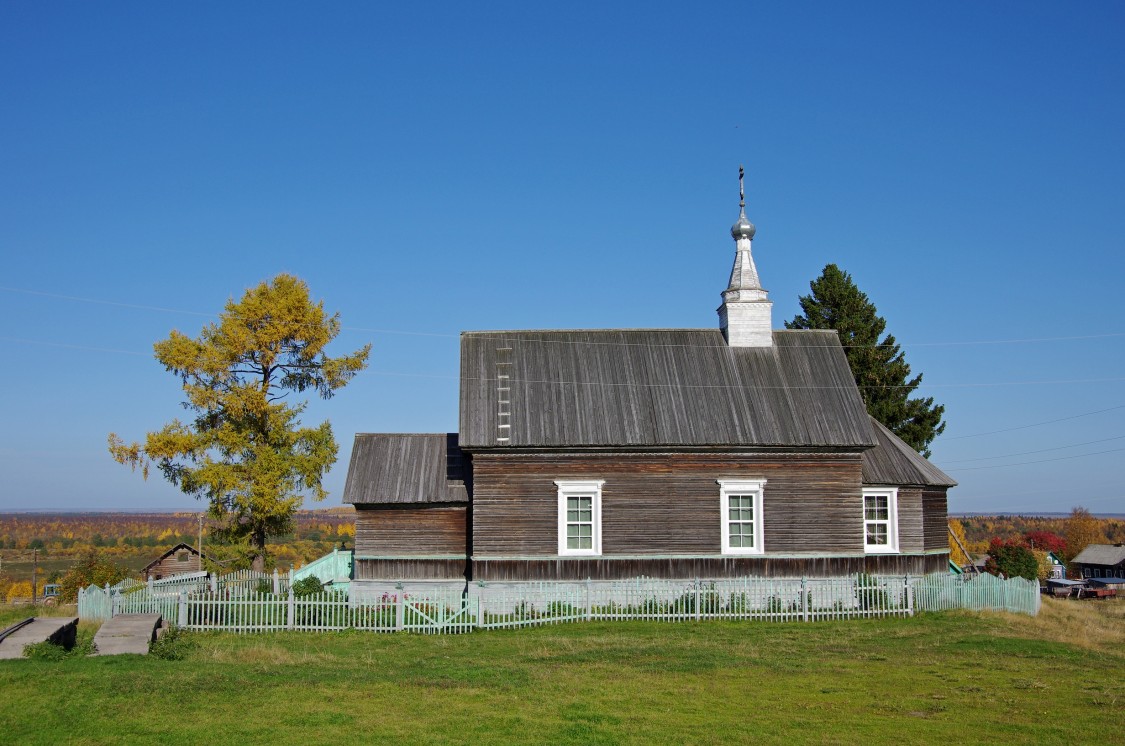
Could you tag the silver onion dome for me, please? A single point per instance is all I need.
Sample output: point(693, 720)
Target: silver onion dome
point(743, 228)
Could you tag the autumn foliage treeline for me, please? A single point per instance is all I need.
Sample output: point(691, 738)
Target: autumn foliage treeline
point(981, 529)
point(1019, 545)
point(123, 534)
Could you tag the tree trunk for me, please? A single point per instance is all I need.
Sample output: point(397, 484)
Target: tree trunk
point(258, 542)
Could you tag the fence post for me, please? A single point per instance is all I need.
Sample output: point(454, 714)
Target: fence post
point(113, 605)
point(276, 582)
point(290, 609)
point(214, 583)
point(480, 612)
point(589, 606)
point(697, 599)
point(909, 596)
point(181, 616)
point(804, 599)
point(400, 611)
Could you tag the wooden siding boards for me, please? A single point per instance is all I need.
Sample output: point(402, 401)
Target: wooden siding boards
point(910, 522)
point(667, 503)
point(417, 542)
point(411, 530)
point(406, 468)
point(609, 568)
point(410, 569)
point(935, 519)
point(627, 388)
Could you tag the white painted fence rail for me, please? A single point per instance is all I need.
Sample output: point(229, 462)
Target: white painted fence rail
point(481, 606)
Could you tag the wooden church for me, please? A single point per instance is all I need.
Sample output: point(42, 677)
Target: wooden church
point(607, 454)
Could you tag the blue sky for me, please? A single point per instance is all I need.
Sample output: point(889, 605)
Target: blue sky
point(481, 166)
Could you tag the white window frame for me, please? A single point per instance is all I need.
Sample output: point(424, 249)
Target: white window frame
point(754, 488)
point(591, 488)
point(891, 547)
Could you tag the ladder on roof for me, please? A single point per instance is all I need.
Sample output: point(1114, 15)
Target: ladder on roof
point(503, 395)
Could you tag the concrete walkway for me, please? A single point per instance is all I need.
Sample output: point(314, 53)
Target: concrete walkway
point(60, 630)
point(127, 633)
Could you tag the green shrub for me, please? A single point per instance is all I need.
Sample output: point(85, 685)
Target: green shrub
point(49, 651)
point(308, 586)
point(173, 645)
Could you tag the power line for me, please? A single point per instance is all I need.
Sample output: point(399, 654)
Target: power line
point(1028, 453)
point(376, 330)
point(75, 347)
point(616, 384)
point(1040, 461)
point(1036, 424)
point(103, 302)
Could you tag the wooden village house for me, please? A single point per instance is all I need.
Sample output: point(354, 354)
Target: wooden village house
point(608, 454)
point(179, 560)
point(1100, 561)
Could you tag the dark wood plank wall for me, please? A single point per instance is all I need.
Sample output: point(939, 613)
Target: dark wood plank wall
point(668, 503)
point(410, 569)
point(910, 520)
point(607, 568)
point(936, 518)
point(422, 529)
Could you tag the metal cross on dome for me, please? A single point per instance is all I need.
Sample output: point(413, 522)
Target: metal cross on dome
point(741, 193)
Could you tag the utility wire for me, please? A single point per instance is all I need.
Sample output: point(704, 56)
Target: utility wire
point(376, 330)
point(616, 384)
point(1040, 461)
point(1035, 424)
point(1028, 453)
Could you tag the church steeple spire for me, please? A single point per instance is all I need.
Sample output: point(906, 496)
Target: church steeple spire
point(745, 317)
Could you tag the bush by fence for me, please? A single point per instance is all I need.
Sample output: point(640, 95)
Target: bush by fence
point(480, 606)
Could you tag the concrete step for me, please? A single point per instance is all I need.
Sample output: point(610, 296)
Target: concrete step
point(127, 633)
point(60, 630)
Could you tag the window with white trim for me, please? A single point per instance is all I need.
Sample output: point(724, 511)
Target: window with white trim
point(741, 506)
point(580, 517)
point(880, 520)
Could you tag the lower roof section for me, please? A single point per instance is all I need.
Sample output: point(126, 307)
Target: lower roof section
point(404, 468)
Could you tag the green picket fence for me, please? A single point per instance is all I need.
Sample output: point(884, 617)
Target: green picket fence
point(482, 606)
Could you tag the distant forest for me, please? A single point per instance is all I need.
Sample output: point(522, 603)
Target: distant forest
point(980, 529)
point(135, 539)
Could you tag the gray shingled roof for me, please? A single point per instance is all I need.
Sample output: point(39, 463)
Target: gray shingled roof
point(658, 387)
point(1101, 554)
point(405, 468)
point(894, 462)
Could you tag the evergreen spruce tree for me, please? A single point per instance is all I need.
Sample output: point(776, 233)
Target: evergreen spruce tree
point(880, 371)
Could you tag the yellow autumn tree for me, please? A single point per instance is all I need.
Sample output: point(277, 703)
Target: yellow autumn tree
point(1081, 530)
point(19, 590)
point(246, 451)
point(957, 529)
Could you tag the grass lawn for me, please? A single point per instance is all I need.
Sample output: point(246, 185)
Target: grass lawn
point(955, 678)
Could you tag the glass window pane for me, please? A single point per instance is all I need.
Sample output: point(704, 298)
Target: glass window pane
point(572, 542)
point(572, 503)
point(735, 540)
point(876, 534)
point(585, 543)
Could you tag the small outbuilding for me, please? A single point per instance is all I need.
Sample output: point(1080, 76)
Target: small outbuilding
point(178, 560)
